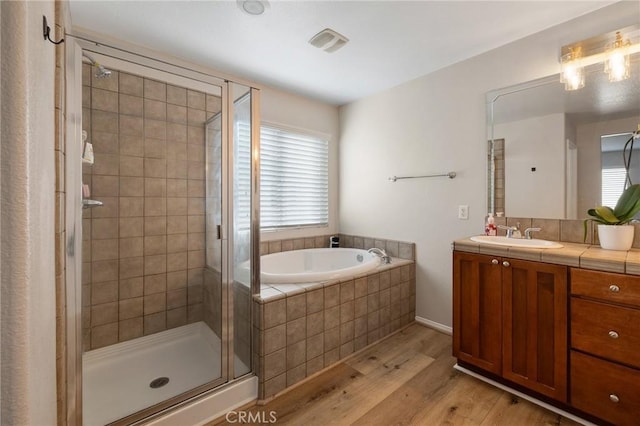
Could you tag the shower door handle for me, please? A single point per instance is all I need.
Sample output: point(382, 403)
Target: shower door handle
point(89, 204)
point(218, 232)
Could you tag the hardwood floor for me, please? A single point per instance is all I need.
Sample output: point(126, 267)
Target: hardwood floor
point(407, 379)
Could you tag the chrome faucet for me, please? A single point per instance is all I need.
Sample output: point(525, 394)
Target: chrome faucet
point(381, 253)
point(512, 231)
point(528, 231)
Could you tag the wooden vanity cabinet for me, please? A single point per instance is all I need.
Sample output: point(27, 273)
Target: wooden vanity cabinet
point(605, 345)
point(510, 319)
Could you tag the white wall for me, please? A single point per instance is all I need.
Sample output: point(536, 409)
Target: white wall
point(297, 112)
point(538, 143)
point(27, 285)
point(434, 124)
point(588, 140)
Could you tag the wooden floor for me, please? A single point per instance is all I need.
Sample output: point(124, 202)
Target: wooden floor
point(407, 379)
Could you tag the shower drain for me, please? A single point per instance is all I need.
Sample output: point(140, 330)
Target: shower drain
point(159, 382)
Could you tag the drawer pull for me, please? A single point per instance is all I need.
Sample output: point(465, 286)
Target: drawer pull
point(614, 334)
point(614, 398)
point(506, 264)
point(614, 288)
point(495, 261)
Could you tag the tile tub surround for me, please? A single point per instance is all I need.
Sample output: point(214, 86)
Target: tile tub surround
point(301, 329)
point(394, 248)
point(143, 251)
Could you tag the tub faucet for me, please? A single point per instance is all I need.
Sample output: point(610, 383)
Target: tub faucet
point(381, 253)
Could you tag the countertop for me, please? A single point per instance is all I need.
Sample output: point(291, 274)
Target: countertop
point(577, 255)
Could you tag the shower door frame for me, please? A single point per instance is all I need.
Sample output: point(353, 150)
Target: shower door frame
point(75, 45)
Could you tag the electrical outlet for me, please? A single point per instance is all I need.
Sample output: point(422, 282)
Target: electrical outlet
point(463, 212)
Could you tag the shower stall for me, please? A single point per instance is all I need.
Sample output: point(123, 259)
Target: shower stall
point(166, 214)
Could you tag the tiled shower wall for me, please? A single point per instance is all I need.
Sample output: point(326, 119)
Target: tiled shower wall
point(144, 250)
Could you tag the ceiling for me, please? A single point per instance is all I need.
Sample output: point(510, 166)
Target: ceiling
point(390, 42)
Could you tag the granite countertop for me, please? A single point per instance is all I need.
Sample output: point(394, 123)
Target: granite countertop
point(577, 255)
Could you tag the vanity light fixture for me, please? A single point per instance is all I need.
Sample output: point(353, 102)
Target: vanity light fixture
point(572, 74)
point(616, 58)
point(618, 65)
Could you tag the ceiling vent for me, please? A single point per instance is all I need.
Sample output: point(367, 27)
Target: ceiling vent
point(328, 40)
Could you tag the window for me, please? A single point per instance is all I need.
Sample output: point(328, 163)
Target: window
point(294, 179)
point(612, 185)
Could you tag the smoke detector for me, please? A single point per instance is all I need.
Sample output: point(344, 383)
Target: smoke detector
point(253, 7)
point(328, 40)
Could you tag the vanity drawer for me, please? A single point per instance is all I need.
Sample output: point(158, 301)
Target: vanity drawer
point(606, 286)
point(606, 390)
point(606, 330)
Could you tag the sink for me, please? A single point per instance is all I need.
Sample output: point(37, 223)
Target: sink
point(516, 242)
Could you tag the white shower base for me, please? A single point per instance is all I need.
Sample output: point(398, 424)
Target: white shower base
point(116, 378)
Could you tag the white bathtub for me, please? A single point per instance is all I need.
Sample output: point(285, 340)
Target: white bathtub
point(311, 265)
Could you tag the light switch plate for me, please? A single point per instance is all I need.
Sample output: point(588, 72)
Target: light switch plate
point(463, 212)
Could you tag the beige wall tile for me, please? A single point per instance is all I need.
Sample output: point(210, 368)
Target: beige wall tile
point(105, 186)
point(196, 241)
point(196, 171)
point(176, 317)
point(156, 225)
point(195, 153)
point(131, 126)
point(176, 114)
point(195, 259)
point(176, 206)
point(156, 110)
point(131, 206)
point(155, 90)
point(130, 329)
point(331, 296)
point(176, 261)
point(104, 249)
point(315, 301)
point(131, 287)
point(109, 208)
point(177, 132)
point(196, 116)
point(361, 304)
point(154, 303)
point(104, 335)
point(347, 311)
point(296, 306)
point(196, 224)
point(104, 292)
point(315, 323)
point(155, 206)
point(196, 135)
point(105, 143)
point(104, 228)
point(214, 104)
point(131, 105)
point(177, 225)
point(195, 99)
point(155, 284)
point(194, 313)
point(177, 298)
point(155, 148)
point(131, 166)
point(130, 84)
point(131, 227)
point(109, 164)
point(176, 187)
point(177, 150)
point(156, 264)
point(104, 100)
point(155, 167)
point(131, 267)
point(131, 187)
point(275, 363)
point(176, 280)
point(176, 169)
point(155, 129)
point(155, 323)
point(347, 291)
point(177, 243)
point(104, 313)
point(132, 145)
point(176, 95)
point(331, 339)
point(361, 287)
point(110, 83)
point(130, 308)
point(102, 121)
point(156, 244)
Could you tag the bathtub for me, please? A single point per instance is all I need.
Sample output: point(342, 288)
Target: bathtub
point(312, 265)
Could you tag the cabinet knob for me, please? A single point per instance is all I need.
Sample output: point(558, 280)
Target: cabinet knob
point(614, 288)
point(614, 398)
point(614, 334)
point(495, 261)
point(506, 264)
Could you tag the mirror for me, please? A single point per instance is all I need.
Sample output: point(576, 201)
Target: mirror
point(550, 148)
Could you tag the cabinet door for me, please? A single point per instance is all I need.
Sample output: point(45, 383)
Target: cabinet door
point(477, 310)
point(535, 327)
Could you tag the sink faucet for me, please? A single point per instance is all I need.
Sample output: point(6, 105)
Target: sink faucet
point(512, 231)
point(381, 253)
point(528, 231)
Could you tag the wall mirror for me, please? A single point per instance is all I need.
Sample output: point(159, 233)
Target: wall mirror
point(555, 153)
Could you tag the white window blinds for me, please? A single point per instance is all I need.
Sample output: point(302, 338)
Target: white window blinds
point(294, 179)
point(612, 185)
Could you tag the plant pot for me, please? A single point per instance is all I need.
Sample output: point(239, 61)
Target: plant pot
point(616, 237)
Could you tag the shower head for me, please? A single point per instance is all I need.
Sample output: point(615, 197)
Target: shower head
point(101, 71)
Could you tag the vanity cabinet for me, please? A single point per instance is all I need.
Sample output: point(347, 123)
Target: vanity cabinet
point(510, 319)
point(605, 345)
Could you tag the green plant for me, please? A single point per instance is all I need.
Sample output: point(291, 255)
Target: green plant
point(626, 208)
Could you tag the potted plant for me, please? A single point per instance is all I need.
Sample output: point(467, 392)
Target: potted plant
point(614, 230)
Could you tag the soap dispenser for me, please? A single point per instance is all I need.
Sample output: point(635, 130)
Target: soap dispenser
point(490, 228)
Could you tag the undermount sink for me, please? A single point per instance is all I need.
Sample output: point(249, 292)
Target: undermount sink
point(516, 242)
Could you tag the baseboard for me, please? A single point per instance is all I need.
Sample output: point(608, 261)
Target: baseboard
point(525, 396)
point(435, 325)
